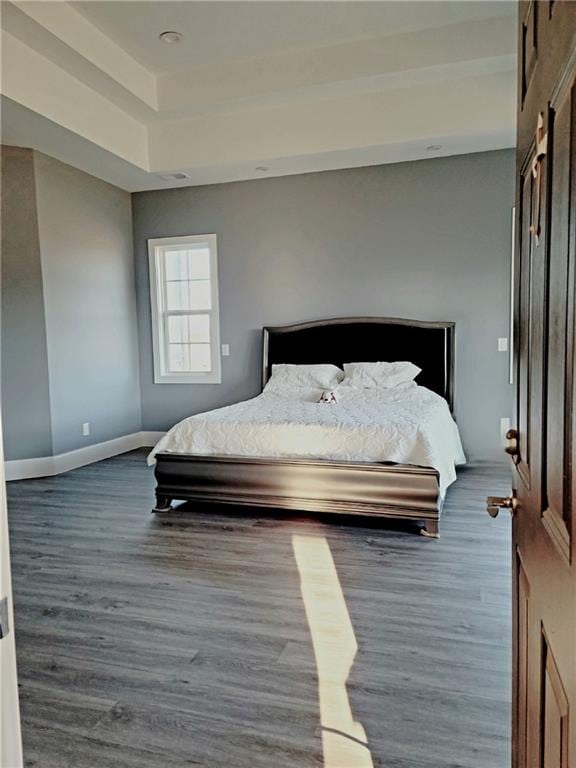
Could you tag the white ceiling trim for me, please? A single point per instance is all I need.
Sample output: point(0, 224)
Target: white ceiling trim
point(419, 113)
point(22, 127)
point(378, 62)
point(65, 23)
point(36, 83)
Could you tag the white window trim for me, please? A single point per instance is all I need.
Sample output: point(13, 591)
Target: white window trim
point(156, 303)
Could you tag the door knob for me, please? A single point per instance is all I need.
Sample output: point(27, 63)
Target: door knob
point(496, 503)
point(511, 446)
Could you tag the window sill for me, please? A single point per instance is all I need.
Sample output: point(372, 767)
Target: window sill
point(208, 379)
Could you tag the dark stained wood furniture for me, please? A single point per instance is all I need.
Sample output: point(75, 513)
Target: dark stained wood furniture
point(378, 489)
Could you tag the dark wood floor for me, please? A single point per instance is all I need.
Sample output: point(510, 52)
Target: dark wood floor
point(184, 640)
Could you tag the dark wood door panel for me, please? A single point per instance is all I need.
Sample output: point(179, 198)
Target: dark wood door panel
point(554, 43)
point(555, 710)
point(523, 330)
point(529, 45)
point(560, 328)
point(530, 325)
point(521, 667)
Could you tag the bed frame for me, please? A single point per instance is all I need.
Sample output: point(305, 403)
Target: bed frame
point(382, 490)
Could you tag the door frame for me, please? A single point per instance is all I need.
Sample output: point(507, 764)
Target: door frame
point(10, 730)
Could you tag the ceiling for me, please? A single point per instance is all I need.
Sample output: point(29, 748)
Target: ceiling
point(255, 88)
point(217, 31)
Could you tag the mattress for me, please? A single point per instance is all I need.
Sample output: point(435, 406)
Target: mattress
point(404, 425)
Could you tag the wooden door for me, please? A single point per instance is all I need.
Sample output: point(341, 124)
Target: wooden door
point(544, 444)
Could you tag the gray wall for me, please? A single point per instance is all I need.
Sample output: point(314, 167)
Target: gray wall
point(427, 240)
point(85, 229)
point(24, 367)
point(69, 336)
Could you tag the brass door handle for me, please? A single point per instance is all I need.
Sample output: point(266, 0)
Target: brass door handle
point(511, 447)
point(496, 503)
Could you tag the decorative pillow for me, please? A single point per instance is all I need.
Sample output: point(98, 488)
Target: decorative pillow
point(379, 375)
point(288, 376)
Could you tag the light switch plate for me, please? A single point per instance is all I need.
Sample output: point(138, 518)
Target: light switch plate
point(503, 344)
point(225, 350)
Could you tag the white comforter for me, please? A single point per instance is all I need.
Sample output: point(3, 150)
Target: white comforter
point(405, 425)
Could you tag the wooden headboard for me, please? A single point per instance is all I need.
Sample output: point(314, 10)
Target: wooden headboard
point(430, 345)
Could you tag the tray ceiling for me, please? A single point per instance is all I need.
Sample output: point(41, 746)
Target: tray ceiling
point(285, 86)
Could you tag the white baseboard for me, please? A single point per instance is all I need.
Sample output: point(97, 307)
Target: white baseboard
point(24, 469)
point(149, 439)
point(47, 466)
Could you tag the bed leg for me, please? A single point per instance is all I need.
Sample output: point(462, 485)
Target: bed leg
point(163, 504)
point(431, 529)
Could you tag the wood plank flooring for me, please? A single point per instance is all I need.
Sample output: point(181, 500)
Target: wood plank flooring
point(162, 642)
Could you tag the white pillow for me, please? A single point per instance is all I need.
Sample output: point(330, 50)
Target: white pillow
point(379, 375)
point(288, 376)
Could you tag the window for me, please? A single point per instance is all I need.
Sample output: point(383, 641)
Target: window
point(185, 322)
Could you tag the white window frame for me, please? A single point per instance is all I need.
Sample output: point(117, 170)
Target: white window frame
point(160, 314)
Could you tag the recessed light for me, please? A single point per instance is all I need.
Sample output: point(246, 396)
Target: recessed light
point(262, 168)
point(170, 37)
point(176, 176)
point(433, 147)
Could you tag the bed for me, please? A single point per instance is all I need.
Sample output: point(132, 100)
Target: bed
point(295, 453)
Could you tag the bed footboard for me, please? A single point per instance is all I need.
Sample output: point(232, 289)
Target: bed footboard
point(382, 490)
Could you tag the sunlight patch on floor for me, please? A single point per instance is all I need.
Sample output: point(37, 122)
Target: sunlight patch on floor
point(344, 741)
